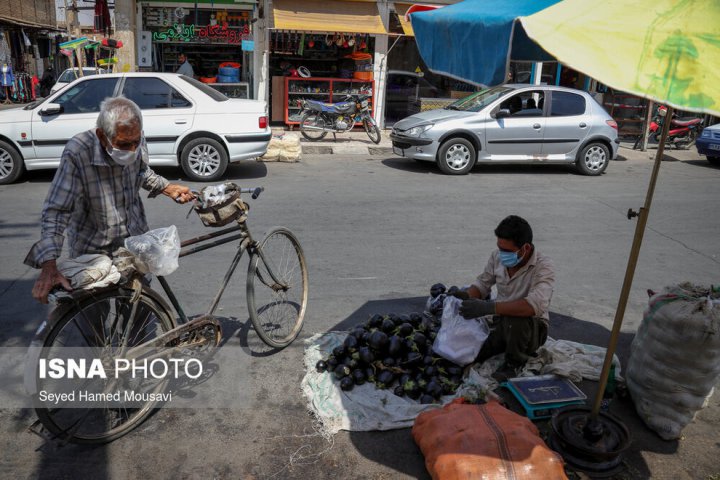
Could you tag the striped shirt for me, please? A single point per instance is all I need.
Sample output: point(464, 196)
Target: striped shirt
point(95, 200)
point(534, 282)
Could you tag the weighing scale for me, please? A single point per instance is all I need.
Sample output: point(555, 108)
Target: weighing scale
point(543, 394)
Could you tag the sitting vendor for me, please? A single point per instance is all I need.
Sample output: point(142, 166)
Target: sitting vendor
point(524, 279)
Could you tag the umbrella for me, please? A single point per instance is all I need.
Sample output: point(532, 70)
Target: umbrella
point(475, 40)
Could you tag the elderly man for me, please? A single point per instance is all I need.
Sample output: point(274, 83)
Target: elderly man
point(95, 194)
point(525, 280)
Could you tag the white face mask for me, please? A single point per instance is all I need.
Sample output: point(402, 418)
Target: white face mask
point(123, 157)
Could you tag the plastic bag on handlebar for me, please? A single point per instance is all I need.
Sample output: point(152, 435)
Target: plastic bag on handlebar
point(221, 204)
point(156, 251)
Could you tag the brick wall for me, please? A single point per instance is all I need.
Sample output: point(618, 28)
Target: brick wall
point(32, 11)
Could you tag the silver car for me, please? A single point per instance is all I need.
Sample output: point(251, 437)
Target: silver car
point(512, 124)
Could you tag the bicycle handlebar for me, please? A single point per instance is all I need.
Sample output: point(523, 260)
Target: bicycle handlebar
point(254, 192)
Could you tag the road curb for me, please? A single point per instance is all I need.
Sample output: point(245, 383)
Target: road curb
point(345, 150)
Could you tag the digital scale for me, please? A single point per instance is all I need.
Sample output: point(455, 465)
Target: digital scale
point(543, 394)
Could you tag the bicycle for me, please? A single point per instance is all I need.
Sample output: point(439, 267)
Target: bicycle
point(129, 318)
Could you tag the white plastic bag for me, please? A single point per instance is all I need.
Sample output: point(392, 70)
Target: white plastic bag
point(156, 251)
point(459, 339)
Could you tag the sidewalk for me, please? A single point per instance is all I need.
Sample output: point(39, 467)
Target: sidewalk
point(353, 143)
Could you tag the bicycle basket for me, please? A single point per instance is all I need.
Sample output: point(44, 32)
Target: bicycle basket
point(227, 208)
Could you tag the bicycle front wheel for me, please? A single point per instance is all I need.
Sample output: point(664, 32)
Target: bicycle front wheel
point(99, 323)
point(277, 288)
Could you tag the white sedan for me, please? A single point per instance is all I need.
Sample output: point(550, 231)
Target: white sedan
point(185, 123)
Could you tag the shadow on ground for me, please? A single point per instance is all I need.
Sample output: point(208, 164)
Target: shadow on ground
point(422, 167)
point(397, 450)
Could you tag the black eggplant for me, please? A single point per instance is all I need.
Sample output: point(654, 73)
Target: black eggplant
point(332, 362)
point(404, 378)
point(387, 325)
point(375, 321)
point(339, 351)
point(389, 362)
point(413, 359)
point(370, 374)
point(425, 399)
point(350, 343)
point(452, 290)
point(395, 346)
point(405, 329)
point(433, 389)
point(453, 371)
point(342, 371)
point(378, 340)
point(412, 390)
point(399, 391)
point(431, 371)
point(321, 366)
point(420, 339)
point(358, 376)
point(385, 379)
point(358, 333)
point(366, 355)
point(415, 319)
point(347, 383)
point(437, 289)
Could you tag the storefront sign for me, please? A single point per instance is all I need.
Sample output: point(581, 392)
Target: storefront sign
point(248, 45)
point(188, 33)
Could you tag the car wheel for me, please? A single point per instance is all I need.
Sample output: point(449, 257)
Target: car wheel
point(456, 157)
point(11, 164)
point(204, 160)
point(593, 159)
point(714, 161)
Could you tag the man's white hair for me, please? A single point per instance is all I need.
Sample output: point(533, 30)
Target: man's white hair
point(118, 111)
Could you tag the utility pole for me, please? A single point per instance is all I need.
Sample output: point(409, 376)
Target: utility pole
point(72, 25)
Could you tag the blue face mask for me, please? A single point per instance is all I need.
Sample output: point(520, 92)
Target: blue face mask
point(509, 259)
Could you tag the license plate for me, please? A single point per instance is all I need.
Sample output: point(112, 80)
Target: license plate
point(399, 151)
point(714, 146)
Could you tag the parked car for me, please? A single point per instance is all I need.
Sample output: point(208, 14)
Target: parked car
point(512, 124)
point(708, 143)
point(185, 123)
point(72, 74)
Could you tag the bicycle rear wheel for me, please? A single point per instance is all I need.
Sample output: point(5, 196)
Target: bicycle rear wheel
point(98, 322)
point(277, 309)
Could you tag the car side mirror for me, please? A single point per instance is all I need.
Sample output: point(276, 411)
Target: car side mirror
point(502, 113)
point(51, 109)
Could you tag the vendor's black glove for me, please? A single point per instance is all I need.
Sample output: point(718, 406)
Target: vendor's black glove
point(474, 308)
point(461, 294)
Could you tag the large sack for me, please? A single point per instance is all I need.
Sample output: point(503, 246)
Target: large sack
point(675, 358)
point(489, 442)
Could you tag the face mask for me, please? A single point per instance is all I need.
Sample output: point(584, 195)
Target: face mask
point(509, 259)
point(122, 157)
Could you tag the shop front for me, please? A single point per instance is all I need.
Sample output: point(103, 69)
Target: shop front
point(323, 50)
point(216, 37)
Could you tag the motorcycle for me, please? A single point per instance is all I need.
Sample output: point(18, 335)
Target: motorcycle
point(683, 131)
point(318, 118)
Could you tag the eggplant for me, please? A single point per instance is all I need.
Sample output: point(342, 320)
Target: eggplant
point(366, 355)
point(352, 363)
point(387, 325)
point(395, 346)
point(358, 376)
point(457, 379)
point(420, 339)
point(453, 290)
point(415, 319)
point(321, 366)
point(389, 362)
point(454, 371)
point(375, 321)
point(421, 382)
point(437, 289)
point(413, 359)
point(428, 360)
point(358, 333)
point(378, 340)
point(339, 351)
point(405, 329)
point(425, 399)
point(404, 318)
point(370, 374)
point(412, 390)
point(332, 362)
point(385, 379)
point(399, 391)
point(433, 389)
point(404, 378)
point(432, 335)
point(342, 371)
point(431, 371)
point(365, 338)
point(347, 383)
point(436, 306)
point(410, 345)
point(350, 343)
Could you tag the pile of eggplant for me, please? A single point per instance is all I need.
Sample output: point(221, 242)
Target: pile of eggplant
point(394, 352)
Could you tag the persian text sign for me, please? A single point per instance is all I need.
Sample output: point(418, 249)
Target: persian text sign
point(186, 33)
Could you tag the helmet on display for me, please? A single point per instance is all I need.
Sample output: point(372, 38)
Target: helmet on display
point(303, 72)
point(662, 110)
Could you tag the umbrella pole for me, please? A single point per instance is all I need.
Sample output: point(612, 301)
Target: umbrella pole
point(632, 263)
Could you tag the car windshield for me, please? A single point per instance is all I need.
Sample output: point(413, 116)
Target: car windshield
point(69, 75)
point(479, 100)
point(209, 91)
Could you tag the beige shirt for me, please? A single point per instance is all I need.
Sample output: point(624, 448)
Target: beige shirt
point(534, 282)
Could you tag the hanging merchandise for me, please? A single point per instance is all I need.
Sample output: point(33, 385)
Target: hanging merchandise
point(103, 23)
point(26, 39)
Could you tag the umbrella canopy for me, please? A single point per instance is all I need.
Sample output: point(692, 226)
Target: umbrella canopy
point(665, 50)
point(475, 40)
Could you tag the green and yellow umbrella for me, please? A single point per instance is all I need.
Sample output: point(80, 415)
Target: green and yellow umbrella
point(664, 50)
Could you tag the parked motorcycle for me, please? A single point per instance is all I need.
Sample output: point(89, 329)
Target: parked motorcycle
point(318, 118)
point(683, 131)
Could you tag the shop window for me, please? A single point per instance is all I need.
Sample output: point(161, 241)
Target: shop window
point(151, 93)
point(85, 97)
point(566, 104)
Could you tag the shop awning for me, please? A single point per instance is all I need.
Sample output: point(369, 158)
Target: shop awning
point(25, 23)
point(328, 16)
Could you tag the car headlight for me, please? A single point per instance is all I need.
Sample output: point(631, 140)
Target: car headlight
point(706, 133)
point(417, 131)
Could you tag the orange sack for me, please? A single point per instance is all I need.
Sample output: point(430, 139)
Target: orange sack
point(488, 442)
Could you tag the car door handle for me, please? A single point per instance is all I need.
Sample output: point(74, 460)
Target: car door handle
point(536, 126)
point(180, 122)
point(583, 124)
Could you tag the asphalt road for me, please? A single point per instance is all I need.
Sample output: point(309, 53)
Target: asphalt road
point(377, 232)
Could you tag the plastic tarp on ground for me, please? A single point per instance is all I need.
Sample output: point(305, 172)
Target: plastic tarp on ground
point(366, 408)
point(474, 40)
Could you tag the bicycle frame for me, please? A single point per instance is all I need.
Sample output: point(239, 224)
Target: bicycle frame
point(246, 244)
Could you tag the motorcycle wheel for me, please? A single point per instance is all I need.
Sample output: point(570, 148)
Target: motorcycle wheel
point(372, 130)
point(312, 119)
point(691, 137)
